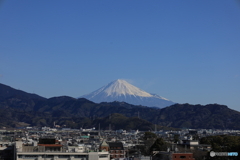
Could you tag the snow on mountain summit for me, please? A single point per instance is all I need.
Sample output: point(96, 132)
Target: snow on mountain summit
point(121, 90)
point(121, 87)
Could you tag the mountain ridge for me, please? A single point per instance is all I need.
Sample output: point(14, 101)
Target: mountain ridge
point(75, 113)
point(7, 91)
point(120, 90)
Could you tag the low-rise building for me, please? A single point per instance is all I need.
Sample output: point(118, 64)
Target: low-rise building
point(171, 155)
point(55, 151)
point(116, 150)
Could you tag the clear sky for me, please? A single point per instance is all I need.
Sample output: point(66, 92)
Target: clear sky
point(187, 51)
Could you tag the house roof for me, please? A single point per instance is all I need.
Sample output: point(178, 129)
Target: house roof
point(104, 144)
point(116, 145)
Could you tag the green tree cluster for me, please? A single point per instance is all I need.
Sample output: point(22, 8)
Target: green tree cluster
point(159, 145)
point(223, 143)
point(148, 138)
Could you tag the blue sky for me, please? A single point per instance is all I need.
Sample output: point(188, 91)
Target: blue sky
point(187, 51)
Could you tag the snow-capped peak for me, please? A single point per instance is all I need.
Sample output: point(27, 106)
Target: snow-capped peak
point(121, 90)
point(122, 87)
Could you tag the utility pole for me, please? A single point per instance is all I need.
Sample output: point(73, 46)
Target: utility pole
point(99, 130)
point(110, 122)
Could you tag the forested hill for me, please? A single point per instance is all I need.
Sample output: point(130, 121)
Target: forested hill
point(18, 106)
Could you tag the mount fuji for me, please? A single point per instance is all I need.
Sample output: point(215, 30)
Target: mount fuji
point(121, 90)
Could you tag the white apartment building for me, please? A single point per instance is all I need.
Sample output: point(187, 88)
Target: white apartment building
point(56, 152)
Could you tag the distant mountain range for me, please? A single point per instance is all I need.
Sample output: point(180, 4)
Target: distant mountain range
point(122, 91)
point(18, 108)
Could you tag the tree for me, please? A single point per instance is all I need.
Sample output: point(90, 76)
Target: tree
point(149, 138)
point(223, 143)
point(176, 138)
point(159, 145)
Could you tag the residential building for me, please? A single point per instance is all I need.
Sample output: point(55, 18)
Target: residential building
point(182, 156)
point(43, 151)
point(116, 150)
